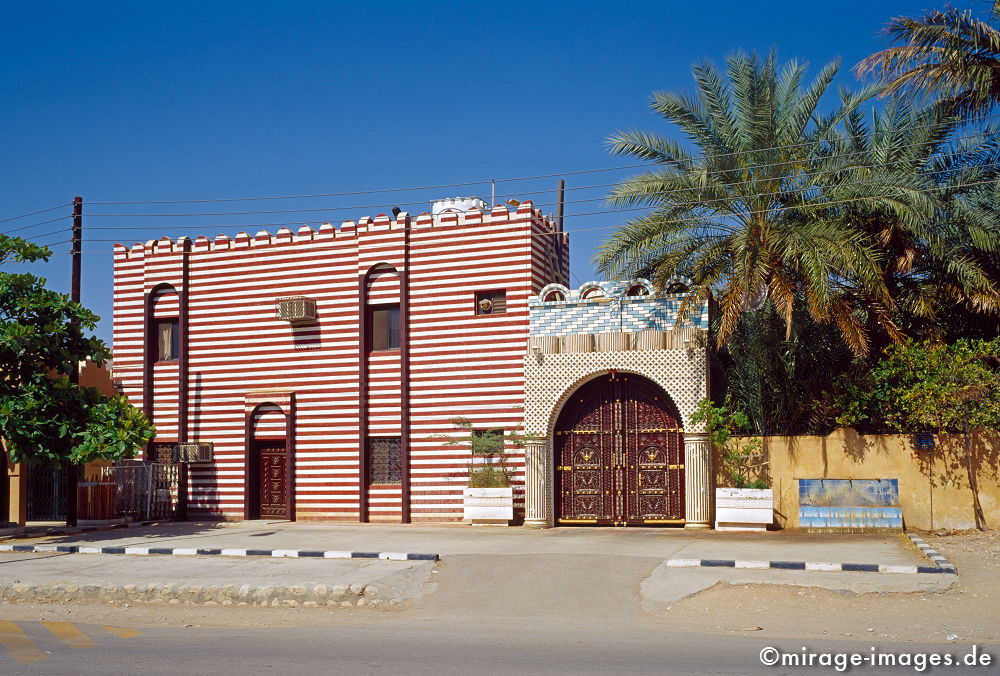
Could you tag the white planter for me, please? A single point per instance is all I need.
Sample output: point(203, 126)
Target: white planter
point(488, 505)
point(744, 509)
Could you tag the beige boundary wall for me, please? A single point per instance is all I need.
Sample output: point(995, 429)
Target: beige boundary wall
point(933, 485)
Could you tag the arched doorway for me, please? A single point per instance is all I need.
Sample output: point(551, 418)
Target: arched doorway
point(619, 454)
point(269, 470)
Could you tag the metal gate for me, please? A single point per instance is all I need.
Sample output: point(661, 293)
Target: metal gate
point(619, 451)
point(46, 492)
point(145, 491)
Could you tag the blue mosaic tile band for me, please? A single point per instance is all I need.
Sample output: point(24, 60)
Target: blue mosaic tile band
point(849, 492)
point(849, 503)
point(609, 309)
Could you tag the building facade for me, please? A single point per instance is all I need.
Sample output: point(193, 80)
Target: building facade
point(319, 371)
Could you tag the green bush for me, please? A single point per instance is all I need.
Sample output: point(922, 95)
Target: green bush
point(738, 460)
point(488, 476)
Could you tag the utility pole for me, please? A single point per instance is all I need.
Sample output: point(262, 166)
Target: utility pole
point(560, 208)
point(76, 249)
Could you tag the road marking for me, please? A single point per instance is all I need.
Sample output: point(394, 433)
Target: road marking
point(20, 647)
point(121, 632)
point(68, 633)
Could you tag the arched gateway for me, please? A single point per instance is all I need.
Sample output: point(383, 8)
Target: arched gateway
point(612, 376)
point(619, 454)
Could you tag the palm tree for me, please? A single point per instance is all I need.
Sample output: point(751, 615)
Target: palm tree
point(928, 200)
point(947, 53)
point(743, 217)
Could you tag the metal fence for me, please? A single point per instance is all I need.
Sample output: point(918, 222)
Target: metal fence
point(144, 491)
point(46, 493)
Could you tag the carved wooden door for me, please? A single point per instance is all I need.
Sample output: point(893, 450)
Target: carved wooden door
point(619, 455)
point(272, 459)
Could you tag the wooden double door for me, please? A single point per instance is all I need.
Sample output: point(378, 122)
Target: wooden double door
point(619, 454)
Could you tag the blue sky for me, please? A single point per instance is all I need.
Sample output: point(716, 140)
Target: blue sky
point(182, 100)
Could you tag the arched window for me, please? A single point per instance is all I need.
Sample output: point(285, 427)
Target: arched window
point(637, 290)
point(383, 308)
point(165, 328)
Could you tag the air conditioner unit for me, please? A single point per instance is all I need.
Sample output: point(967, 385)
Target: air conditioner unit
point(296, 310)
point(202, 451)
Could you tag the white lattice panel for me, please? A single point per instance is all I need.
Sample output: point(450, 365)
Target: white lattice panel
point(681, 373)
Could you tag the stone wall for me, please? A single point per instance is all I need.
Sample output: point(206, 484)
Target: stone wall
point(933, 485)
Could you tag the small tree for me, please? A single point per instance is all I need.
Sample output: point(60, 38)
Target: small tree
point(43, 416)
point(722, 424)
point(488, 446)
point(941, 388)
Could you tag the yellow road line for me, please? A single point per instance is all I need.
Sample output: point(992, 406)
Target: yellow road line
point(20, 647)
point(121, 632)
point(68, 633)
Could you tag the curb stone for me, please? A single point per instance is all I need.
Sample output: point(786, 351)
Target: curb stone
point(184, 551)
point(941, 564)
point(76, 530)
point(318, 595)
point(931, 553)
point(818, 566)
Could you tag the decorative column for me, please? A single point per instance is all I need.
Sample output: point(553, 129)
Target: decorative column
point(537, 484)
point(697, 480)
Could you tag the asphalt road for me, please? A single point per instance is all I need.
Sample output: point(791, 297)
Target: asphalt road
point(441, 646)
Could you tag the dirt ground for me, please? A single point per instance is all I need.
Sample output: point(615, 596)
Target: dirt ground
point(970, 610)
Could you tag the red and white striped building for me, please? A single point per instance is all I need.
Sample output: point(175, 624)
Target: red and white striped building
point(306, 416)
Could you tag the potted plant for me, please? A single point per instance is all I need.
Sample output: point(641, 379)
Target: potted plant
point(488, 498)
point(747, 504)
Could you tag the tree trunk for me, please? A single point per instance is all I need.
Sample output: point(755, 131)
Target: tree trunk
point(977, 508)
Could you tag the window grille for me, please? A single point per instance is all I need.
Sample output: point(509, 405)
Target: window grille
point(162, 453)
point(491, 302)
point(384, 460)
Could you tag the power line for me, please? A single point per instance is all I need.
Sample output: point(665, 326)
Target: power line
point(47, 234)
point(35, 225)
point(695, 202)
point(799, 176)
point(35, 213)
point(484, 182)
point(693, 219)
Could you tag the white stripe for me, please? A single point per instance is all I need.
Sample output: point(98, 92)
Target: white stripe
point(392, 556)
point(683, 563)
point(823, 566)
point(753, 564)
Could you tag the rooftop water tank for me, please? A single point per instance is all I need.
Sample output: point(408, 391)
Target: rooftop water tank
point(458, 204)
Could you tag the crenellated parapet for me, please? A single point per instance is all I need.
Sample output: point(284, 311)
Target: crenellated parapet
point(328, 232)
